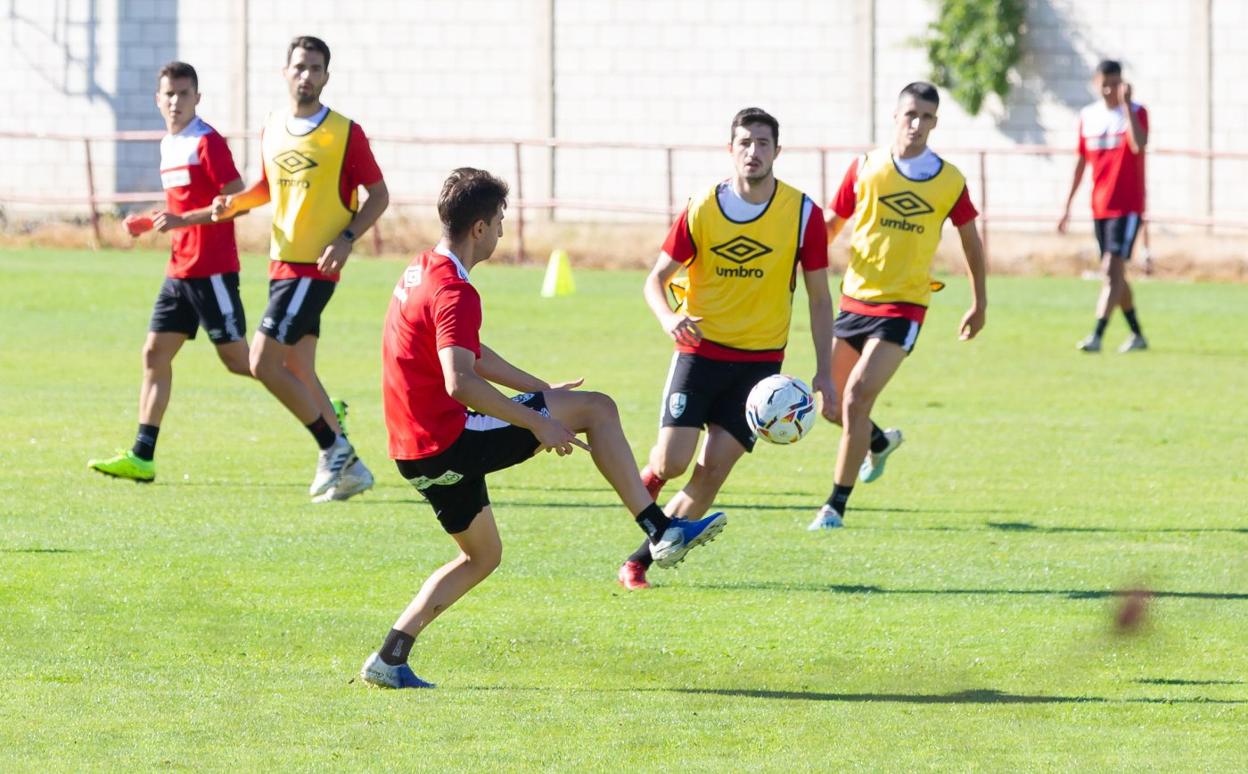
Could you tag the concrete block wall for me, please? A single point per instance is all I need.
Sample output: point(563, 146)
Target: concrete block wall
point(632, 70)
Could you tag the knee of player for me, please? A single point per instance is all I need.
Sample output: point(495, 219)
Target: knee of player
point(858, 401)
point(486, 560)
point(603, 405)
point(666, 467)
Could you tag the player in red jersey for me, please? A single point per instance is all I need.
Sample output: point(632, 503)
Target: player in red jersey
point(450, 426)
point(1112, 136)
point(201, 285)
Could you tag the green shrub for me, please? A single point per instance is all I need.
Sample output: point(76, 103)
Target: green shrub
point(972, 45)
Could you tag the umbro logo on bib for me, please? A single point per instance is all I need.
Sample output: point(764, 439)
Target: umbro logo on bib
point(741, 249)
point(907, 204)
point(293, 161)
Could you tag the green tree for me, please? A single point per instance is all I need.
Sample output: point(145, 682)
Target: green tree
point(972, 45)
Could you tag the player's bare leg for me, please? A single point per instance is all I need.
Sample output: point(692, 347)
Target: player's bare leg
point(301, 361)
point(158, 352)
point(596, 415)
point(268, 364)
point(720, 452)
point(673, 451)
point(844, 358)
point(234, 356)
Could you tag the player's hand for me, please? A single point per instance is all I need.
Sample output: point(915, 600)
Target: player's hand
point(1124, 94)
point(829, 406)
point(552, 435)
point(335, 256)
point(972, 323)
point(1064, 222)
point(683, 329)
point(223, 207)
point(163, 221)
point(572, 385)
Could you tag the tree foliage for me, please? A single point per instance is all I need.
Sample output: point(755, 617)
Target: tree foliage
point(972, 46)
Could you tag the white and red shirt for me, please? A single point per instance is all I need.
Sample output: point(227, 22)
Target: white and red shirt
point(195, 164)
point(433, 307)
point(1117, 171)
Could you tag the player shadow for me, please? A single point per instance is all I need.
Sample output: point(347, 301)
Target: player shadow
point(40, 551)
point(1076, 594)
point(970, 696)
point(1176, 681)
point(808, 508)
point(1023, 526)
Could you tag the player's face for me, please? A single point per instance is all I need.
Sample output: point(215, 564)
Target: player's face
point(492, 231)
point(754, 150)
point(306, 75)
point(176, 99)
point(915, 119)
point(1107, 86)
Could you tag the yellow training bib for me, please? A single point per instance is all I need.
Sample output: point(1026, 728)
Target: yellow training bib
point(304, 174)
point(897, 230)
point(741, 279)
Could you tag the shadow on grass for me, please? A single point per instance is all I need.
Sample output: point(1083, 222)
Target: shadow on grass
point(1023, 526)
point(1175, 681)
point(40, 551)
point(861, 589)
point(973, 696)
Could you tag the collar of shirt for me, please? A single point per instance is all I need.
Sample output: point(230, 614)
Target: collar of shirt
point(299, 126)
point(463, 273)
point(922, 167)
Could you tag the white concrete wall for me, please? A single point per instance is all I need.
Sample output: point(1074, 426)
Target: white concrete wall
point(633, 70)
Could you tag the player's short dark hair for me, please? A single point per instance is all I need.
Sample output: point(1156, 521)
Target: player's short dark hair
point(469, 195)
point(753, 115)
point(921, 90)
point(308, 43)
point(1109, 67)
point(174, 70)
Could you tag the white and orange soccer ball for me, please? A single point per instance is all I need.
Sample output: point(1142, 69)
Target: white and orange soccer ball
point(780, 409)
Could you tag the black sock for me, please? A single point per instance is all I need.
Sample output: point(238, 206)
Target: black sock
point(879, 441)
point(396, 647)
point(145, 442)
point(642, 555)
point(1134, 323)
point(840, 498)
point(1101, 322)
point(653, 521)
point(322, 432)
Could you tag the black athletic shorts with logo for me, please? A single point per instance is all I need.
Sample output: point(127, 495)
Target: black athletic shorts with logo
point(857, 328)
point(1116, 236)
point(701, 391)
point(454, 481)
point(295, 307)
point(183, 305)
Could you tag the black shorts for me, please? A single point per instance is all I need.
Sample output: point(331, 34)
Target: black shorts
point(701, 392)
point(857, 328)
point(295, 307)
point(183, 305)
point(454, 481)
point(1116, 236)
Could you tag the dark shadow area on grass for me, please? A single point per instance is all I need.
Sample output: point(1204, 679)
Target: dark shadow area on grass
point(863, 589)
point(1176, 681)
point(973, 696)
point(810, 509)
point(40, 551)
point(1023, 526)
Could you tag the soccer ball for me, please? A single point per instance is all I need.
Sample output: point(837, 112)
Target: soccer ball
point(780, 409)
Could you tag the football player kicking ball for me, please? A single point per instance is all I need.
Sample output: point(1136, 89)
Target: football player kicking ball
point(201, 284)
point(450, 426)
point(900, 197)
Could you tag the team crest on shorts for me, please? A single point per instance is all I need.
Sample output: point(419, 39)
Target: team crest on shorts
point(676, 404)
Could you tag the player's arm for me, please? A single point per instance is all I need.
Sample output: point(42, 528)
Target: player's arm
point(165, 220)
point(835, 225)
point(681, 327)
point(495, 368)
point(464, 384)
point(820, 300)
point(973, 250)
point(842, 207)
point(338, 251)
point(1080, 166)
point(1137, 132)
point(230, 205)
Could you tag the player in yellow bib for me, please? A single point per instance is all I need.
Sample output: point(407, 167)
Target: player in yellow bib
point(899, 197)
point(742, 243)
point(315, 162)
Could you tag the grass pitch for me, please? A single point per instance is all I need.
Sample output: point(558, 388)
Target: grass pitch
point(962, 620)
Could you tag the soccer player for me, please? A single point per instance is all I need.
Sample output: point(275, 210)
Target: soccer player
point(315, 160)
point(900, 196)
point(1112, 135)
point(450, 426)
point(742, 242)
point(201, 279)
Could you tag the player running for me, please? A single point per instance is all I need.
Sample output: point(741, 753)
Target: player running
point(315, 160)
point(742, 242)
point(1112, 135)
point(201, 279)
point(450, 426)
point(900, 197)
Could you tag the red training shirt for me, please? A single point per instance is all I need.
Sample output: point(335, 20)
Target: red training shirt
point(195, 164)
point(433, 307)
point(1117, 172)
point(359, 168)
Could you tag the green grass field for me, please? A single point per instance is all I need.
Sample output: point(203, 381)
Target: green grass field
point(961, 621)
